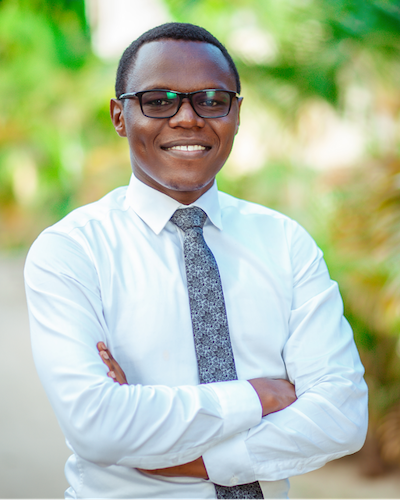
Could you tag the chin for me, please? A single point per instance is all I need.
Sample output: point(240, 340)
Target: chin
point(189, 181)
point(189, 186)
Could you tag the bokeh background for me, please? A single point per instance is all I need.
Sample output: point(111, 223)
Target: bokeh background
point(319, 141)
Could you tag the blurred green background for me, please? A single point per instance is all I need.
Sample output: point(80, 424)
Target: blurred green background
point(319, 141)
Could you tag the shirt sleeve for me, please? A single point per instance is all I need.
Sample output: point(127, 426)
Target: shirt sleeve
point(130, 425)
point(329, 418)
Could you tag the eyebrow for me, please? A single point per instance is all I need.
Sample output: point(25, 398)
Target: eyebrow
point(168, 87)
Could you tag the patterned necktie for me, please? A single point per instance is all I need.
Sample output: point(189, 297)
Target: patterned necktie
point(210, 325)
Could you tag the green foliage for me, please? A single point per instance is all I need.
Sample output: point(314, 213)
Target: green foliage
point(67, 22)
point(364, 252)
point(58, 148)
point(53, 114)
point(316, 40)
point(320, 50)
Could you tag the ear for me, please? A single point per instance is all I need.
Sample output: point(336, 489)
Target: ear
point(240, 100)
point(117, 116)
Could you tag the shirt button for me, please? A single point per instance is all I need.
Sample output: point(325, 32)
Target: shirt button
point(234, 481)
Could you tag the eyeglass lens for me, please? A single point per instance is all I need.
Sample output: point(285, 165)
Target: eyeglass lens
point(208, 104)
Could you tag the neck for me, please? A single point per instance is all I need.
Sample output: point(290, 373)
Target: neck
point(181, 195)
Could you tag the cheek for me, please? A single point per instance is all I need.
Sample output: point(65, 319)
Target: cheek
point(141, 138)
point(227, 135)
point(136, 123)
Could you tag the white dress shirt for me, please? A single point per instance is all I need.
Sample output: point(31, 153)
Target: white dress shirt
point(114, 271)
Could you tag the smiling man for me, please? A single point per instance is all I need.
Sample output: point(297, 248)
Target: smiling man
point(178, 156)
point(217, 316)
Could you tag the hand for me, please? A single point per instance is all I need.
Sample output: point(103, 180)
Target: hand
point(274, 395)
point(191, 469)
point(116, 372)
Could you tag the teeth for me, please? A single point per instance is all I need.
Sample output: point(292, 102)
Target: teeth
point(194, 147)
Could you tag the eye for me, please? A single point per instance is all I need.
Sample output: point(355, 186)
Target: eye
point(212, 99)
point(159, 99)
point(209, 103)
point(158, 103)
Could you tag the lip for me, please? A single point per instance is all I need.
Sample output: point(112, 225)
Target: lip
point(181, 154)
point(188, 148)
point(185, 142)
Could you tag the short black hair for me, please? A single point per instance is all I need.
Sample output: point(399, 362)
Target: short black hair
point(174, 31)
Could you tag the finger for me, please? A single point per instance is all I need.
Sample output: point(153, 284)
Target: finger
point(101, 347)
point(105, 353)
point(112, 364)
point(117, 377)
point(115, 368)
point(120, 375)
point(106, 359)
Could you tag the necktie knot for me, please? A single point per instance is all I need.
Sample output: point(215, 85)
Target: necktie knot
point(188, 218)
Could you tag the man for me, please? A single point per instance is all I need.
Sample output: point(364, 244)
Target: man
point(116, 274)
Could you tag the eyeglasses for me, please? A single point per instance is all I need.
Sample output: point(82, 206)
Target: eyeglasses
point(160, 103)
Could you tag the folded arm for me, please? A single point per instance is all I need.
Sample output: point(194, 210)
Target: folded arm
point(329, 418)
point(274, 396)
point(131, 425)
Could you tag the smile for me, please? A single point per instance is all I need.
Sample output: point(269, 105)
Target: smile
point(188, 147)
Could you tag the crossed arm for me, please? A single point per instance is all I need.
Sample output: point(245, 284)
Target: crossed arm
point(274, 395)
point(107, 425)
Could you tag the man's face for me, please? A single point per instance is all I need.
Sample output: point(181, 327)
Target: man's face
point(154, 143)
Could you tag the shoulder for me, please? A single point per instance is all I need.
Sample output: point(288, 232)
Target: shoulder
point(73, 235)
point(96, 212)
point(247, 211)
point(265, 223)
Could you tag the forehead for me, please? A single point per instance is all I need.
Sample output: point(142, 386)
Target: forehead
point(180, 65)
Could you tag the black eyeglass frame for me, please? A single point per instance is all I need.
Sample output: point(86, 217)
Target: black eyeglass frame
point(181, 95)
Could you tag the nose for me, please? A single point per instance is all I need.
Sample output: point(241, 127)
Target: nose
point(186, 117)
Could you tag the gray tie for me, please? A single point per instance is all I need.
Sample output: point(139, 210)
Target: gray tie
point(210, 324)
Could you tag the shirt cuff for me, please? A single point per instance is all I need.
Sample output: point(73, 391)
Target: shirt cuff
point(228, 463)
point(240, 405)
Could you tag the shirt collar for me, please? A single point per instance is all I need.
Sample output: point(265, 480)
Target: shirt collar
point(156, 208)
